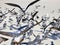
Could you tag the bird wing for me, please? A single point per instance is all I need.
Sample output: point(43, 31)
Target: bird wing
point(15, 5)
point(31, 4)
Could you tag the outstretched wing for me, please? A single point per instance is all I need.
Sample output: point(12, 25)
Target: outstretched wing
point(15, 5)
point(31, 4)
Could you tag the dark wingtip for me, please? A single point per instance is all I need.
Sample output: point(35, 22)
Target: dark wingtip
point(8, 3)
point(11, 4)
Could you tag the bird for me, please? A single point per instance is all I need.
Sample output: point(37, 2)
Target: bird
point(15, 5)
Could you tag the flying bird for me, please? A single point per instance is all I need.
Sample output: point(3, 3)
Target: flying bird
point(15, 5)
